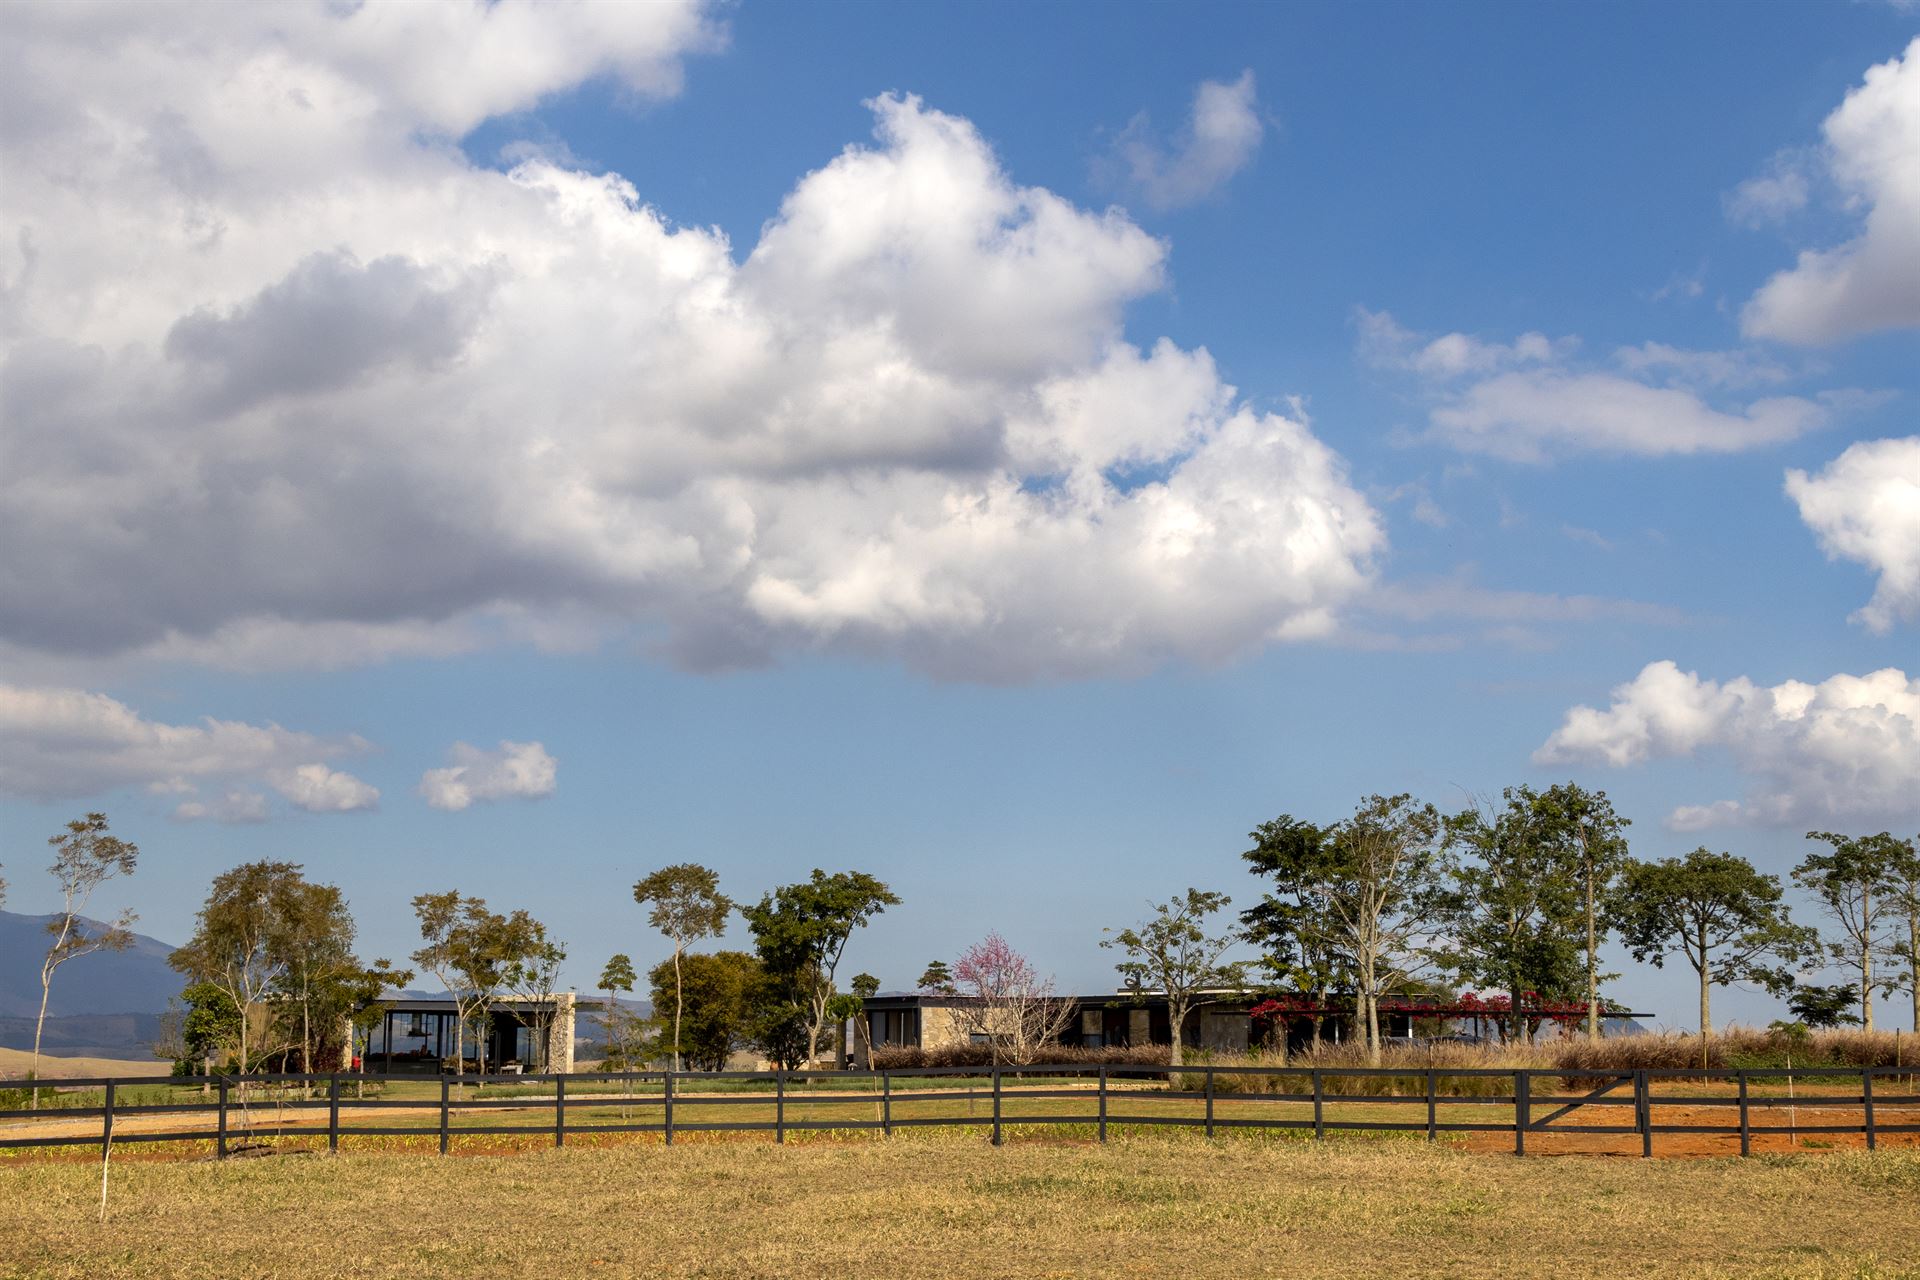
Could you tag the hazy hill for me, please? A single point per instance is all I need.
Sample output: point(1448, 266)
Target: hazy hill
point(136, 980)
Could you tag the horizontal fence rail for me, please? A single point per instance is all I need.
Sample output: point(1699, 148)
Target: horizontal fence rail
point(238, 1111)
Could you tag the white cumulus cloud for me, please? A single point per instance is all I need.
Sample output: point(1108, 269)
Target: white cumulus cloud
point(1871, 282)
point(514, 771)
point(57, 743)
point(1865, 506)
point(1844, 750)
point(349, 395)
point(1222, 137)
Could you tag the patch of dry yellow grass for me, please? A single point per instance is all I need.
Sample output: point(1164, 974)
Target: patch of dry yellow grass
point(16, 1063)
point(942, 1205)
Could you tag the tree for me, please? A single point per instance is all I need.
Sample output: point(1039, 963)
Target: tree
point(1513, 912)
point(1825, 1006)
point(532, 976)
point(1903, 882)
point(718, 987)
point(1369, 891)
point(210, 1028)
point(85, 857)
point(1009, 1004)
point(472, 951)
point(617, 976)
point(1172, 953)
point(801, 931)
point(1722, 915)
point(1297, 949)
point(314, 935)
point(1853, 883)
point(937, 980)
point(238, 944)
point(1593, 839)
point(687, 906)
point(864, 988)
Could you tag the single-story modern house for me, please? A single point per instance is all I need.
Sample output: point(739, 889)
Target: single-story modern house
point(1225, 1022)
point(417, 1035)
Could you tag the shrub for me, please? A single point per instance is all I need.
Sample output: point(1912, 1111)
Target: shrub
point(909, 1057)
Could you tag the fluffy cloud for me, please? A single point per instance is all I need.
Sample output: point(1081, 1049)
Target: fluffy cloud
point(1222, 138)
point(1865, 506)
point(1530, 400)
point(1872, 282)
point(346, 394)
point(318, 789)
point(516, 771)
point(56, 743)
point(1844, 750)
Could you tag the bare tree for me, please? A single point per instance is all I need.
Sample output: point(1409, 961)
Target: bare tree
point(1009, 1004)
point(85, 856)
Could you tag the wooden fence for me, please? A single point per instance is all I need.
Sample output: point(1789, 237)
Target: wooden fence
point(1877, 1101)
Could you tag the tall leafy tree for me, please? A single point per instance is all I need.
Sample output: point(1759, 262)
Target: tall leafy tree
point(239, 945)
point(1903, 881)
point(1593, 840)
point(472, 951)
point(718, 987)
point(314, 935)
point(1853, 881)
point(533, 976)
point(686, 905)
point(1370, 891)
point(1172, 952)
point(801, 931)
point(1717, 911)
point(1297, 948)
point(1513, 912)
point(85, 856)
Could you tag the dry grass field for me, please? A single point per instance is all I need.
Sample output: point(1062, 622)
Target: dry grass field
point(17, 1062)
point(937, 1205)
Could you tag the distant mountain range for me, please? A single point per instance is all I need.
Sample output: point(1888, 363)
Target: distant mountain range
point(136, 980)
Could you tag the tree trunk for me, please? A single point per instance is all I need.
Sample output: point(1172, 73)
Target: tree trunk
point(679, 1001)
point(1866, 964)
point(1593, 964)
point(1913, 967)
point(46, 985)
point(1706, 1012)
point(1177, 1016)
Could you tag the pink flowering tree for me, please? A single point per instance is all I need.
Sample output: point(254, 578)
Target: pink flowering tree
point(1008, 1003)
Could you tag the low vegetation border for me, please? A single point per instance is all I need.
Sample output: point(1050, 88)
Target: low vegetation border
point(1734, 1104)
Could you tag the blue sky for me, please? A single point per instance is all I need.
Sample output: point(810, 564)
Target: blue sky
point(1010, 450)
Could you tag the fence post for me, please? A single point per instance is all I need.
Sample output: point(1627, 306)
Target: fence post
point(333, 1112)
point(220, 1132)
point(1432, 1104)
point(1209, 1102)
point(779, 1106)
point(1746, 1128)
point(1319, 1099)
point(1866, 1099)
point(886, 1104)
point(445, 1109)
point(1522, 1109)
point(1103, 1103)
point(106, 1126)
point(668, 1106)
point(1643, 1106)
point(996, 1106)
point(559, 1111)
